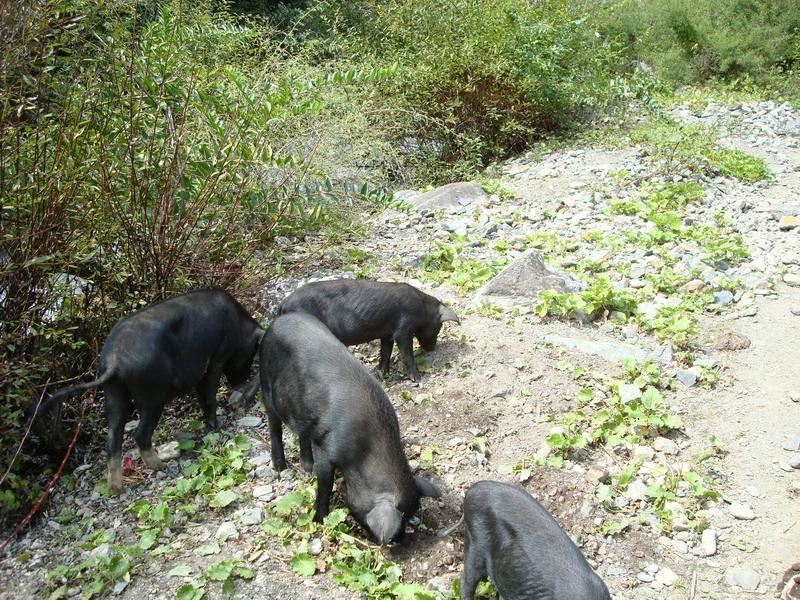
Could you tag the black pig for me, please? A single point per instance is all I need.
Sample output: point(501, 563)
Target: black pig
point(343, 419)
point(514, 541)
point(360, 311)
point(165, 350)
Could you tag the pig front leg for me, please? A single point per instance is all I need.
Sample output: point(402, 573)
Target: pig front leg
point(306, 456)
point(149, 414)
point(387, 344)
point(474, 569)
point(207, 396)
point(324, 471)
point(406, 346)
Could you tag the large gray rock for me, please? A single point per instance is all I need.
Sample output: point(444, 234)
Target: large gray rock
point(452, 195)
point(611, 351)
point(527, 276)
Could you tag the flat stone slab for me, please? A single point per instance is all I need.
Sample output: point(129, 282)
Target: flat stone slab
point(527, 276)
point(743, 577)
point(611, 351)
point(452, 195)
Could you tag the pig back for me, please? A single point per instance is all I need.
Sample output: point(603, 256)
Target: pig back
point(173, 341)
point(357, 311)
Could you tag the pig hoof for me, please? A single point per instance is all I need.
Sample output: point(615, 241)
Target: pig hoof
point(308, 465)
point(115, 481)
point(152, 460)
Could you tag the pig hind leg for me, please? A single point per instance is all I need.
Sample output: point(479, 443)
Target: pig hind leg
point(324, 470)
point(149, 415)
point(406, 346)
point(118, 409)
point(474, 570)
point(387, 344)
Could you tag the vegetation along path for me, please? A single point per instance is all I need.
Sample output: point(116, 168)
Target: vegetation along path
point(627, 352)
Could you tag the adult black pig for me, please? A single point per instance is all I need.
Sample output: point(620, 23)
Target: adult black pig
point(343, 419)
point(164, 350)
point(358, 311)
point(513, 540)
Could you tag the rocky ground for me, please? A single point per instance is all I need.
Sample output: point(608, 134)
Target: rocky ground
point(663, 375)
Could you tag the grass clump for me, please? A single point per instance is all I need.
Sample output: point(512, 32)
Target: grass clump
point(693, 147)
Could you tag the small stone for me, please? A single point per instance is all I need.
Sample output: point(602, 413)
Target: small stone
point(644, 577)
point(731, 340)
point(661, 354)
point(636, 490)
point(665, 445)
point(251, 516)
point(687, 377)
point(597, 475)
point(743, 577)
point(680, 546)
point(695, 285)
point(741, 511)
point(226, 531)
point(792, 279)
point(644, 451)
point(263, 492)
point(169, 451)
point(666, 576)
point(249, 421)
point(131, 425)
point(795, 462)
point(793, 396)
point(787, 222)
point(613, 571)
point(708, 543)
point(265, 472)
point(795, 309)
point(103, 550)
point(792, 444)
point(628, 392)
point(315, 547)
point(724, 297)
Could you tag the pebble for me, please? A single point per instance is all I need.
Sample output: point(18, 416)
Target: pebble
point(226, 531)
point(724, 297)
point(708, 543)
point(665, 445)
point(628, 392)
point(740, 511)
point(787, 222)
point(645, 577)
point(169, 451)
point(666, 576)
point(795, 462)
point(251, 516)
point(795, 309)
point(315, 547)
point(792, 444)
point(743, 577)
point(249, 421)
point(686, 376)
point(792, 279)
point(131, 425)
point(263, 492)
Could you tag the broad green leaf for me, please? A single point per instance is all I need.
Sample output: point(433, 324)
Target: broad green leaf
point(304, 564)
point(180, 571)
point(207, 549)
point(223, 498)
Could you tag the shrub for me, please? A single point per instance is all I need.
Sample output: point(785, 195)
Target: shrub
point(143, 151)
point(689, 41)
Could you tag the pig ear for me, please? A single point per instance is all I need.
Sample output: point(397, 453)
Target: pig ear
point(384, 521)
point(426, 488)
point(447, 314)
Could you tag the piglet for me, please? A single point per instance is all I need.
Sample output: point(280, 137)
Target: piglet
point(514, 541)
point(358, 311)
point(343, 419)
